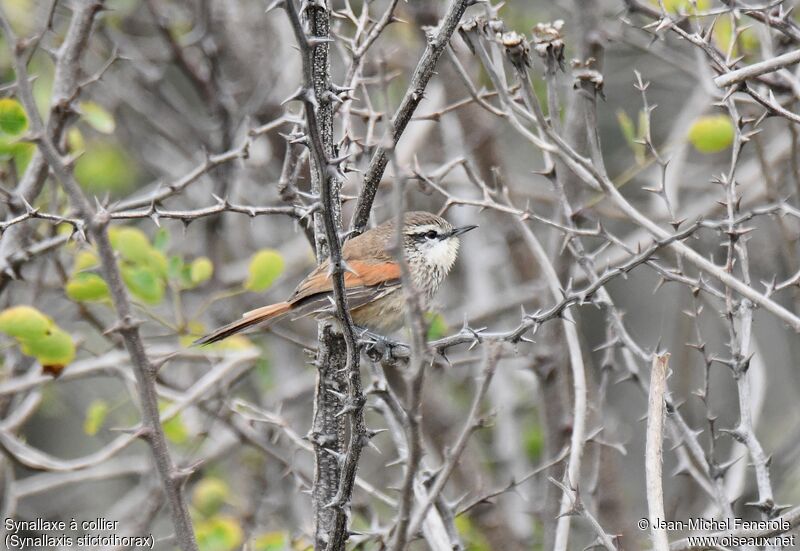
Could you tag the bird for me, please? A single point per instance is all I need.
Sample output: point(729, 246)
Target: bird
point(372, 281)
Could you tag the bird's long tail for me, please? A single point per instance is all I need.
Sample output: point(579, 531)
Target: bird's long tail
point(249, 319)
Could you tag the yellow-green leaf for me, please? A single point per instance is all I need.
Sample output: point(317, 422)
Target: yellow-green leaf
point(175, 430)
point(265, 267)
point(144, 283)
point(13, 120)
point(682, 6)
point(23, 153)
point(39, 337)
point(54, 349)
point(84, 260)
point(105, 167)
point(271, 541)
point(97, 117)
point(75, 142)
point(711, 133)
point(219, 533)
point(437, 327)
point(209, 495)
point(157, 261)
point(86, 286)
point(474, 540)
point(534, 442)
point(24, 322)
point(131, 243)
point(626, 125)
point(200, 270)
point(96, 415)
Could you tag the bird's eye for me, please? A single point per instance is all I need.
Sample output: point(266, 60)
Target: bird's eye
point(431, 234)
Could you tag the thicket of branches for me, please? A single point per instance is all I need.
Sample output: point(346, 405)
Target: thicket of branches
point(615, 342)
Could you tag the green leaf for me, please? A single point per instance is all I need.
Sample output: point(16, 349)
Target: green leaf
point(161, 240)
point(75, 142)
point(265, 267)
point(24, 322)
point(144, 283)
point(437, 327)
point(39, 337)
point(626, 125)
point(682, 6)
point(96, 415)
point(104, 167)
point(474, 540)
point(13, 120)
point(711, 133)
point(175, 267)
point(84, 260)
point(209, 495)
point(97, 117)
point(271, 541)
point(23, 153)
point(534, 442)
point(86, 287)
point(157, 261)
point(131, 243)
point(200, 270)
point(54, 349)
point(175, 430)
point(219, 533)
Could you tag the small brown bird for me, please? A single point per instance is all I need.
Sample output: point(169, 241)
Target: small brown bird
point(373, 287)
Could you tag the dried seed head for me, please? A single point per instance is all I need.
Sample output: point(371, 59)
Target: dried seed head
point(517, 49)
point(585, 73)
point(548, 42)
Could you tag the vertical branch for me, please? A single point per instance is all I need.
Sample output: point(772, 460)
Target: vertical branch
point(414, 317)
point(577, 439)
point(151, 431)
point(339, 355)
point(328, 427)
point(653, 450)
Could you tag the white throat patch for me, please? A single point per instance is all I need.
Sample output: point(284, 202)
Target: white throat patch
point(442, 253)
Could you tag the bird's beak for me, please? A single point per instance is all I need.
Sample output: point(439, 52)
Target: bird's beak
point(462, 229)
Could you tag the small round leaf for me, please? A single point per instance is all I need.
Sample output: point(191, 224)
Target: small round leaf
point(97, 117)
point(84, 260)
point(105, 167)
point(13, 119)
point(144, 283)
point(711, 133)
point(24, 322)
point(219, 533)
point(437, 327)
point(131, 243)
point(87, 286)
point(200, 270)
point(53, 350)
point(175, 430)
point(210, 495)
point(265, 267)
point(96, 415)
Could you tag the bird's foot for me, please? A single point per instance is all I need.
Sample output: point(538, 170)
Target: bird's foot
point(377, 346)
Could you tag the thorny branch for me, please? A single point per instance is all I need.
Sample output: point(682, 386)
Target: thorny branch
point(151, 431)
point(565, 231)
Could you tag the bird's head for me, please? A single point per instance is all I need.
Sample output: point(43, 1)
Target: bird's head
point(432, 240)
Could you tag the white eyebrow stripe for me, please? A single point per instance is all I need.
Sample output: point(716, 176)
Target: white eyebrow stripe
point(426, 228)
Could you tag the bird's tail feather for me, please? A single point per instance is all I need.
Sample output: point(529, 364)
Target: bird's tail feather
point(249, 319)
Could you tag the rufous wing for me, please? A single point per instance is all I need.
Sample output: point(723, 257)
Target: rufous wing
point(363, 274)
